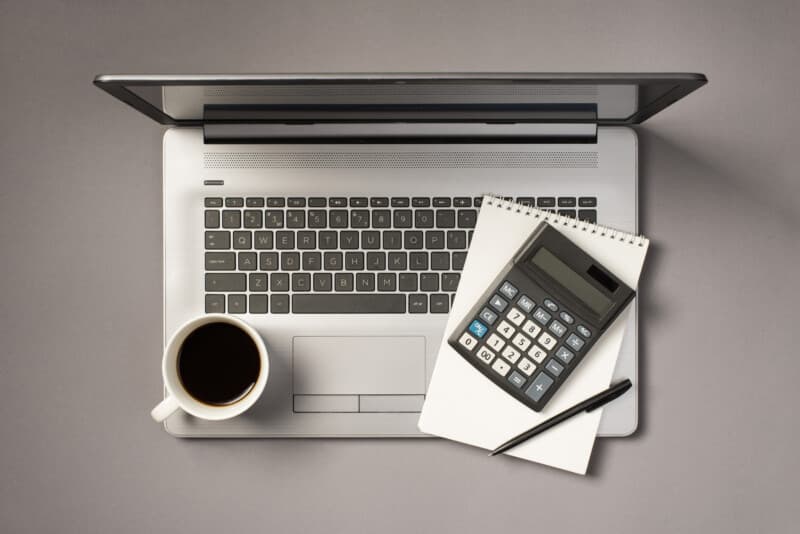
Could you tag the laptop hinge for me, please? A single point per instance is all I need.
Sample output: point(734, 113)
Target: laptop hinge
point(393, 133)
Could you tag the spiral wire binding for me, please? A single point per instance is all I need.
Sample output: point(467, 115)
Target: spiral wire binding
point(556, 219)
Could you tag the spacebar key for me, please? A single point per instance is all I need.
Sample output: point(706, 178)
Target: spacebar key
point(348, 303)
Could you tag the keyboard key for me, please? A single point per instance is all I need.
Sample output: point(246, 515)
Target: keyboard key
point(370, 239)
point(213, 202)
point(478, 329)
point(268, 261)
point(328, 240)
point(550, 305)
point(365, 282)
point(231, 218)
point(263, 239)
point(420, 202)
point(506, 329)
point(237, 303)
point(546, 202)
point(276, 202)
point(234, 202)
point(301, 282)
point(440, 261)
point(547, 341)
point(568, 213)
point(567, 318)
point(343, 282)
point(392, 240)
point(537, 353)
point(588, 215)
point(279, 303)
point(526, 201)
point(423, 219)
point(566, 202)
point(379, 202)
point(564, 355)
point(358, 202)
point(284, 240)
point(557, 328)
point(218, 240)
point(412, 239)
point(498, 303)
point(434, 239)
point(511, 354)
point(387, 282)
point(273, 218)
point(376, 261)
point(317, 202)
point(279, 282)
point(462, 202)
point(450, 281)
point(337, 202)
point(252, 218)
point(575, 342)
point(400, 202)
point(516, 316)
point(477, 201)
point(296, 202)
point(488, 316)
point(348, 240)
point(212, 219)
point(526, 366)
point(398, 261)
point(215, 303)
point(242, 240)
point(429, 282)
point(352, 303)
point(417, 303)
point(312, 261)
point(418, 261)
point(248, 261)
point(495, 342)
point(531, 328)
point(408, 282)
point(306, 240)
point(526, 303)
point(441, 202)
point(582, 330)
point(354, 261)
point(226, 282)
point(467, 218)
point(290, 261)
point(338, 218)
point(501, 367)
point(456, 239)
point(554, 368)
point(440, 303)
point(257, 282)
point(258, 303)
point(539, 387)
point(541, 316)
point(459, 258)
point(323, 282)
point(220, 261)
point(517, 379)
point(333, 261)
point(359, 218)
point(445, 218)
point(509, 290)
point(295, 219)
point(521, 342)
point(467, 341)
point(485, 355)
point(402, 218)
point(381, 219)
point(587, 202)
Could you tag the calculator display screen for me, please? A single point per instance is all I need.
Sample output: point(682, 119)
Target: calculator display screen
point(572, 281)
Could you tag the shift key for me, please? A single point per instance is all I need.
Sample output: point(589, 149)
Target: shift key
point(226, 282)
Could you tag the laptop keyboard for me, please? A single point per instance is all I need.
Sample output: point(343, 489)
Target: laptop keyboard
point(344, 254)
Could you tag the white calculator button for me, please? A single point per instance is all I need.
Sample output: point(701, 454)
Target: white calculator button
point(516, 316)
point(511, 354)
point(521, 342)
point(505, 329)
point(537, 353)
point(531, 328)
point(501, 367)
point(467, 341)
point(547, 341)
point(485, 354)
point(495, 342)
point(526, 366)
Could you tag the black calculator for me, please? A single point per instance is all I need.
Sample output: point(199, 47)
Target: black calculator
point(540, 316)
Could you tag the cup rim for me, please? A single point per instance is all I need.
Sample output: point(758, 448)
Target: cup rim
point(188, 403)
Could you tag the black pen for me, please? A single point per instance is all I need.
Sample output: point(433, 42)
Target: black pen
point(592, 403)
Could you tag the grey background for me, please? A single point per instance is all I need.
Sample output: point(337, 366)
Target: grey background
point(80, 291)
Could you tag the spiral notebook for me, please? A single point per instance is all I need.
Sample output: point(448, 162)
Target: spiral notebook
point(462, 405)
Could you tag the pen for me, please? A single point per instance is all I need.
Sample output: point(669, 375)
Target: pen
point(592, 403)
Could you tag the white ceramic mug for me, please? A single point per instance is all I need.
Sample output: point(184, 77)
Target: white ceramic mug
point(178, 397)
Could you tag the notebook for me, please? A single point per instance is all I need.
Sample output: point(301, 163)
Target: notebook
point(464, 406)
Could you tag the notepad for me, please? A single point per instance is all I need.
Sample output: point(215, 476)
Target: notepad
point(463, 405)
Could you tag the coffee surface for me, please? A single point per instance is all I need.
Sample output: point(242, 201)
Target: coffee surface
point(218, 364)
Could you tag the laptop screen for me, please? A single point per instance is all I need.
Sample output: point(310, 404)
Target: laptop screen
point(494, 98)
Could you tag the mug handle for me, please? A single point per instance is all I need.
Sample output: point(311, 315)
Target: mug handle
point(165, 408)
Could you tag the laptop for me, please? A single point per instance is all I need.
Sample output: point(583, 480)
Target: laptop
point(334, 212)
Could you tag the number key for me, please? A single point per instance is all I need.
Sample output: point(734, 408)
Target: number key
point(516, 316)
point(485, 355)
point(467, 341)
point(547, 341)
point(506, 329)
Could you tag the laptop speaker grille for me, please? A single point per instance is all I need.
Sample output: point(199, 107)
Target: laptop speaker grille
point(398, 160)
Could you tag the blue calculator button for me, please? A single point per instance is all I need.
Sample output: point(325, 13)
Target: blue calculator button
point(478, 328)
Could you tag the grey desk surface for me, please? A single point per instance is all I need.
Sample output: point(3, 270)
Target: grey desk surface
point(80, 292)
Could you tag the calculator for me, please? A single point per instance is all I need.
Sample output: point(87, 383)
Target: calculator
point(540, 316)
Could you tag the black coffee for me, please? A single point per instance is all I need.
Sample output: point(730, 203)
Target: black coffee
point(218, 364)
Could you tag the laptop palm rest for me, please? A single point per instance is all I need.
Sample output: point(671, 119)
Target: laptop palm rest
point(368, 374)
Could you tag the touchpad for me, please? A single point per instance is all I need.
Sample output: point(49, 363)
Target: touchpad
point(374, 365)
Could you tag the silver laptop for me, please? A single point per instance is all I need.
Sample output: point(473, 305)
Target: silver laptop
point(334, 214)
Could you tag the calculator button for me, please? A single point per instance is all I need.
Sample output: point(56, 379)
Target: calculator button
point(501, 367)
point(478, 328)
point(567, 318)
point(521, 342)
point(539, 387)
point(488, 316)
point(509, 290)
point(526, 303)
point(495, 342)
point(531, 328)
point(554, 368)
point(516, 316)
point(506, 329)
point(467, 341)
point(557, 328)
point(582, 330)
point(526, 366)
point(547, 341)
point(498, 303)
point(541, 316)
point(575, 342)
point(537, 353)
point(564, 355)
point(517, 379)
point(511, 354)
point(550, 305)
point(486, 355)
